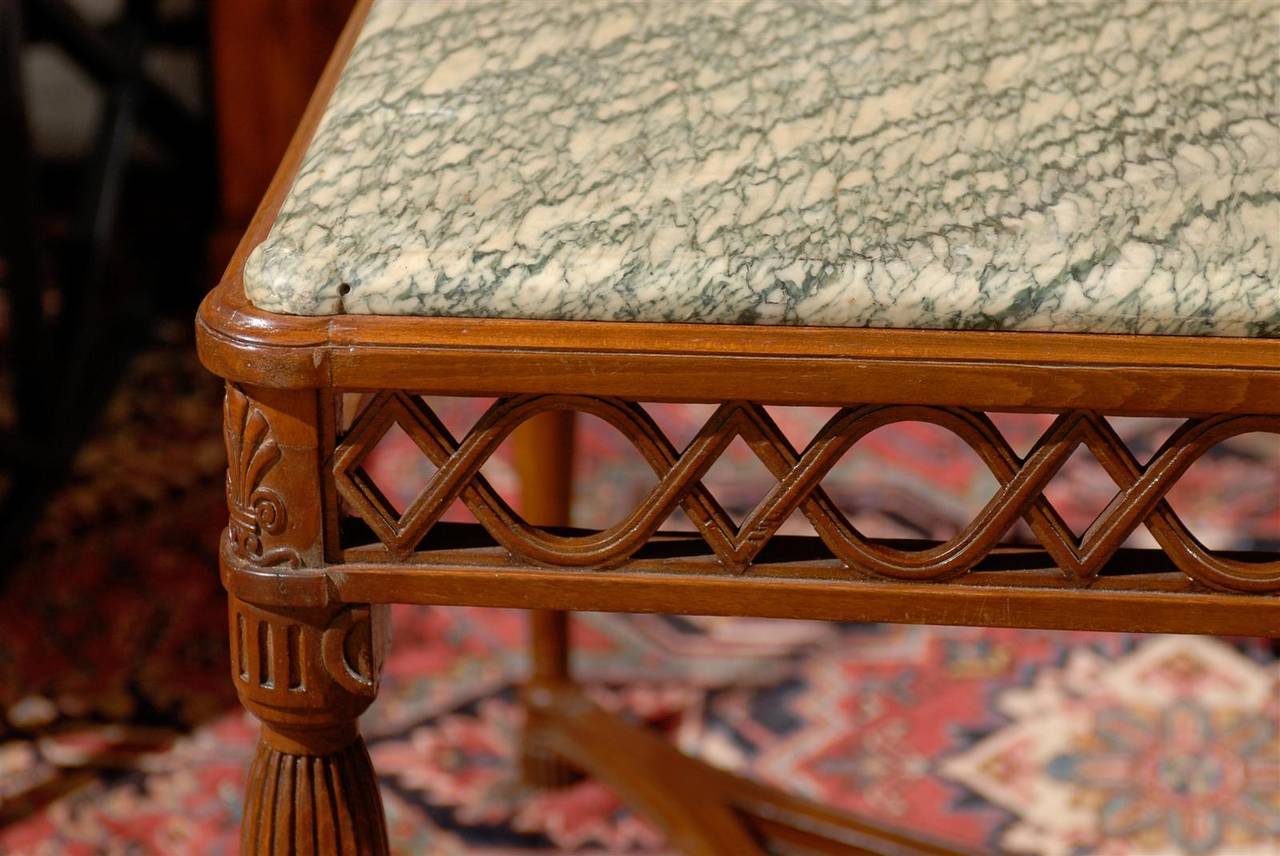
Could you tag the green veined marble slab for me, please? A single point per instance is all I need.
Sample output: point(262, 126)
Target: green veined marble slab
point(1087, 166)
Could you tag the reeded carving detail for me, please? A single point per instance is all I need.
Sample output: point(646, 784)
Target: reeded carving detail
point(256, 510)
point(308, 674)
point(313, 805)
point(799, 475)
point(268, 651)
point(275, 655)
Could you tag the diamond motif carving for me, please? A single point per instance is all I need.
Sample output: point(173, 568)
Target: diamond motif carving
point(1022, 481)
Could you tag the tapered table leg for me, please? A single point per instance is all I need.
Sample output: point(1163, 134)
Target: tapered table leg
point(308, 674)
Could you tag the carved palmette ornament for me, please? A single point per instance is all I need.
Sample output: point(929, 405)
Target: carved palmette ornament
point(255, 509)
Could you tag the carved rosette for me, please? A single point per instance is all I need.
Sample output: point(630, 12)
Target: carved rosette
point(255, 509)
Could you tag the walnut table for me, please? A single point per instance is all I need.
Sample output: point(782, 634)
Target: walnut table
point(913, 212)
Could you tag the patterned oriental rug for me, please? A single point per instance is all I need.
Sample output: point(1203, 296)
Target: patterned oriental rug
point(120, 732)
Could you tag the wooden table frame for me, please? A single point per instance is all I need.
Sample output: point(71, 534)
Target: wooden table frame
point(313, 553)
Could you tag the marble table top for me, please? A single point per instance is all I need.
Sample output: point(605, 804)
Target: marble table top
point(1107, 166)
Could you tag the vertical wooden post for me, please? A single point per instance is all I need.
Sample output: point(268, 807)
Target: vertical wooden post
point(306, 673)
point(544, 461)
point(549, 646)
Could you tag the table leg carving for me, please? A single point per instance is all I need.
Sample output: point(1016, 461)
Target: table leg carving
point(308, 674)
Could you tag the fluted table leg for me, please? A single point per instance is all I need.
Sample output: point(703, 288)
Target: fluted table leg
point(308, 674)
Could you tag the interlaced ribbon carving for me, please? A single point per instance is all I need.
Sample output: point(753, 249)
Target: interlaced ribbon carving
point(1022, 480)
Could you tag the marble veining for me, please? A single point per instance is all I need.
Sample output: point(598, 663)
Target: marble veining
point(1099, 165)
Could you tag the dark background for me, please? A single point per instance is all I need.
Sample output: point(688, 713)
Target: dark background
point(136, 138)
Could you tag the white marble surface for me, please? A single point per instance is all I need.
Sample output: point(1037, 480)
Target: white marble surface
point(1105, 166)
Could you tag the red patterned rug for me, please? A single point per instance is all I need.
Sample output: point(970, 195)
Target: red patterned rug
point(120, 732)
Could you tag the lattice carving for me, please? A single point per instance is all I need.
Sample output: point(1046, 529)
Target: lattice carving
point(1022, 481)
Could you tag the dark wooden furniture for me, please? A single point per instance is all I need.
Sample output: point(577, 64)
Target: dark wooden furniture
point(313, 553)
